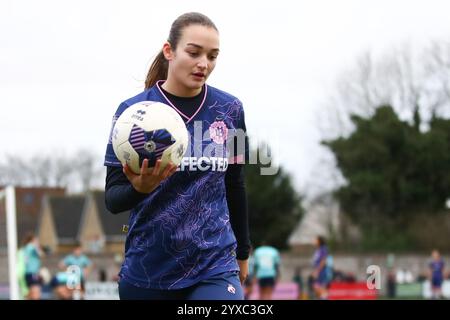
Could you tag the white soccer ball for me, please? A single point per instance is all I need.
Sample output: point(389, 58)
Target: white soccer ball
point(149, 130)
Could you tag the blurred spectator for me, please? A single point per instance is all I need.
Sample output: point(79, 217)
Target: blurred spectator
point(311, 293)
point(391, 284)
point(102, 275)
point(329, 269)
point(400, 276)
point(350, 277)
point(341, 276)
point(298, 279)
point(408, 277)
point(421, 277)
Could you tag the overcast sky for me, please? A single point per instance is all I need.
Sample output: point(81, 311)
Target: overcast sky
point(66, 65)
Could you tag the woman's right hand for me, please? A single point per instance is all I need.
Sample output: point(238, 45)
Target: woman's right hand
point(148, 180)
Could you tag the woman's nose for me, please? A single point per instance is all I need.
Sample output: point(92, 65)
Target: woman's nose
point(203, 63)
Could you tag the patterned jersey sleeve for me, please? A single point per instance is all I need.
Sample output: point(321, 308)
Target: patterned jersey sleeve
point(239, 152)
point(110, 156)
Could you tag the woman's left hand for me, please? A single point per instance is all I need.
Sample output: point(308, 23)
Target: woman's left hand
point(243, 273)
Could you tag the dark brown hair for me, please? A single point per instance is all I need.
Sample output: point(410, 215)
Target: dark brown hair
point(29, 237)
point(159, 67)
point(321, 240)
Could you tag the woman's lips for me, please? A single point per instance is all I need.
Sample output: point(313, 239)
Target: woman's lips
point(199, 76)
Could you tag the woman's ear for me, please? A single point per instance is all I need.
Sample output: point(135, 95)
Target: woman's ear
point(167, 51)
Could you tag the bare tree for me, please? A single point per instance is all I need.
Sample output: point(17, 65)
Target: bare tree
point(324, 178)
point(39, 170)
point(415, 82)
point(438, 75)
point(62, 170)
point(17, 170)
point(87, 168)
point(77, 172)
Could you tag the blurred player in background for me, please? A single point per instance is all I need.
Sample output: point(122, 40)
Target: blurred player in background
point(436, 274)
point(267, 270)
point(77, 264)
point(32, 254)
point(320, 272)
point(298, 279)
point(60, 285)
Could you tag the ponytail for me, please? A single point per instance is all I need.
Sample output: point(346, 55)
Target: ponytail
point(157, 71)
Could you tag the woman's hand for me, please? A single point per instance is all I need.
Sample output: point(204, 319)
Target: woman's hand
point(148, 180)
point(243, 267)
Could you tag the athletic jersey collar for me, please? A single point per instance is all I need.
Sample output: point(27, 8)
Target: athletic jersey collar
point(188, 119)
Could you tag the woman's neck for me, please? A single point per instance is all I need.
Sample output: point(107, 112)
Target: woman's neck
point(179, 90)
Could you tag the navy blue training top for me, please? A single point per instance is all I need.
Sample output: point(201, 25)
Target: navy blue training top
point(181, 232)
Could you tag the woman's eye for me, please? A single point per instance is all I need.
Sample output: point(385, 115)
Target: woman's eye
point(212, 57)
point(193, 54)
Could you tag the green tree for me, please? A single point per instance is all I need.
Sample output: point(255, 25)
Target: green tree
point(394, 172)
point(274, 206)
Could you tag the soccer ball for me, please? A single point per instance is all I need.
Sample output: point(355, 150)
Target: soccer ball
point(149, 130)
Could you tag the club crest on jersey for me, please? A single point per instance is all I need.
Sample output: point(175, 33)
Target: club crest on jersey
point(231, 289)
point(218, 131)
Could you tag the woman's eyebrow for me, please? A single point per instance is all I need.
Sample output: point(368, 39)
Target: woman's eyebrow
point(200, 47)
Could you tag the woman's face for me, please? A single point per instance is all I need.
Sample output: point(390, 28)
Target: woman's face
point(317, 242)
point(194, 58)
point(435, 255)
